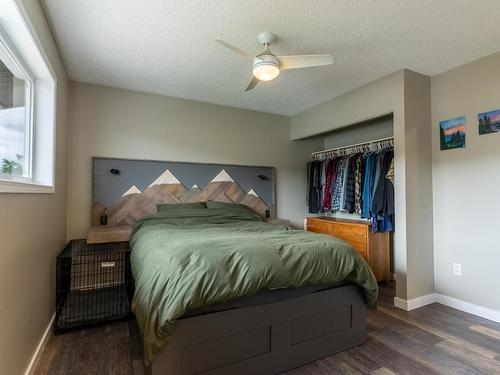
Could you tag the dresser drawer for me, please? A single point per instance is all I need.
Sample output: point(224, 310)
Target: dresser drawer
point(355, 235)
point(319, 226)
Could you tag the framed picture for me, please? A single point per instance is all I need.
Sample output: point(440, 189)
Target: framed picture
point(452, 133)
point(489, 122)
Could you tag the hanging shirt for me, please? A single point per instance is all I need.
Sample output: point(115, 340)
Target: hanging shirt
point(366, 197)
point(338, 185)
point(314, 186)
point(330, 177)
point(377, 175)
point(343, 195)
point(349, 184)
point(309, 183)
point(324, 164)
point(358, 183)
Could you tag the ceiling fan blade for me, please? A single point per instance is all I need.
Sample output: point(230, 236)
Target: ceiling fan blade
point(239, 51)
point(304, 61)
point(252, 84)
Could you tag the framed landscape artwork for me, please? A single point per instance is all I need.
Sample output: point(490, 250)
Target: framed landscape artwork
point(489, 122)
point(452, 133)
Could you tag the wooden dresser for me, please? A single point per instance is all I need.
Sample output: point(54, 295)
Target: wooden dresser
point(375, 247)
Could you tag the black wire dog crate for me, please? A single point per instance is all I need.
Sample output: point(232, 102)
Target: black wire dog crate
point(94, 284)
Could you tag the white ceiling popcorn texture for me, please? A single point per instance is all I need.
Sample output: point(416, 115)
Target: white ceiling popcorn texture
point(168, 48)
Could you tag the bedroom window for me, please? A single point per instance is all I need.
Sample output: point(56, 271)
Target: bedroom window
point(28, 89)
point(16, 117)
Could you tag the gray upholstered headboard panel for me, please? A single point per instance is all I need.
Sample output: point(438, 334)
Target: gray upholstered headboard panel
point(127, 190)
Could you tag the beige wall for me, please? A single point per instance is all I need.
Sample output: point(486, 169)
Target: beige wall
point(378, 128)
point(466, 186)
point(373, 100)
point(407, 95)
point(32, 228)
point(120, 123)
point(418, 167)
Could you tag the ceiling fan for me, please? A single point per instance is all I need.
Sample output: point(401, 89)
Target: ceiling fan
point(267, 66)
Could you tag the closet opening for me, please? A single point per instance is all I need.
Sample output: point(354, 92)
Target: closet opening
point(350, 192)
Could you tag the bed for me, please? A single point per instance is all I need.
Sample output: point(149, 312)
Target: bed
point(219, 291)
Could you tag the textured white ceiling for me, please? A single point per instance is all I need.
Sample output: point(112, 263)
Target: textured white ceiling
point(167, 47)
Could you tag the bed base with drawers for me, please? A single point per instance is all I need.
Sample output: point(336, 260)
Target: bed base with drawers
point(267, 338)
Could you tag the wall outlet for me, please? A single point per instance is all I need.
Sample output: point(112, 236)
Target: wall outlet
point(457, 269)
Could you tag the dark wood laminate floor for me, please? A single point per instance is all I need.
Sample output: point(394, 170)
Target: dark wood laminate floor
point(434, 339)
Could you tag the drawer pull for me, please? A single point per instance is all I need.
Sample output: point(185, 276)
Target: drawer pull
point(107, 264)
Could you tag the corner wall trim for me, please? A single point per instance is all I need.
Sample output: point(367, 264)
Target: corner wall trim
point(414, 303)
point(483, 312)
point(30, 370)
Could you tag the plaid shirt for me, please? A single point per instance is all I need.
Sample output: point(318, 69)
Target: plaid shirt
point(338, 185)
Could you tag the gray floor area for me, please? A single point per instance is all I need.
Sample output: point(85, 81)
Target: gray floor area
point(434, 339)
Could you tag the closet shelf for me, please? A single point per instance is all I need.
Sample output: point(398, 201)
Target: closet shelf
point(373, 145)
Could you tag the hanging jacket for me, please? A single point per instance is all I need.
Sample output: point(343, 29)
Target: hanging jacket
point(383, 192)
point(314, 185)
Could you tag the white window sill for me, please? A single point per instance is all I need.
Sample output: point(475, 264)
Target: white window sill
point(24, 187)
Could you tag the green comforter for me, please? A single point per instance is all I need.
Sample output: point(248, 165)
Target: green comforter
point(187, 259)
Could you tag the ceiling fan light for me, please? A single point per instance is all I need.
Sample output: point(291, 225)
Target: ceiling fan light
point(266, 72)
point(266, 67)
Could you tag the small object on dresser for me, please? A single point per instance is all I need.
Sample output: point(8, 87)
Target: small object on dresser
point(104, 219)
point(93, 284)
point(277, 221)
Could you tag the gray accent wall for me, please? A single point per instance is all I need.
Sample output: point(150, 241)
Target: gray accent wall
point(109, 187)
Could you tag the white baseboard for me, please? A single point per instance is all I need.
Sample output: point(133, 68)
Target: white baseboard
point(414, 303)
point(30, 370)
point(483, 312)
point(455, 303)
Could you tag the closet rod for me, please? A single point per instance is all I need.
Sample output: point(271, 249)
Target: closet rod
point(331, 150)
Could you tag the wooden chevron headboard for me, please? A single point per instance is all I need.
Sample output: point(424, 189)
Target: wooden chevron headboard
point(128, 190)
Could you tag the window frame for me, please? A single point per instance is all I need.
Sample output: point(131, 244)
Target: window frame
point(16, 60)
point(21, 33)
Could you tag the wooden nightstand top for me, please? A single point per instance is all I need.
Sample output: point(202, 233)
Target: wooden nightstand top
point(112, 233)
